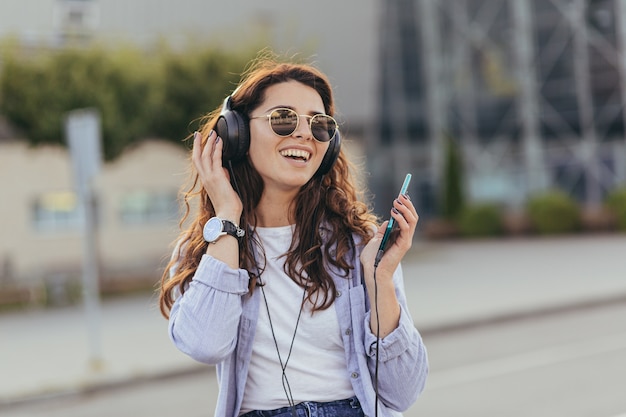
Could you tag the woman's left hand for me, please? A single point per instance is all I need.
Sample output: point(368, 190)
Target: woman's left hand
point(406, 218)
point(381, 289)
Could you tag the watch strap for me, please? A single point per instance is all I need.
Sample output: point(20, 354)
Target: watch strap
point(232, 229)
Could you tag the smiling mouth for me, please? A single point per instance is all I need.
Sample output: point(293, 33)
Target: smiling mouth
point(298, 154)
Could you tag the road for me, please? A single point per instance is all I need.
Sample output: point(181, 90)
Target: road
point(568, 363)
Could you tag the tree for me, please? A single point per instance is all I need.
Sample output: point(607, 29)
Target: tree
point(38, 92)
point(138, 94)
point(453, 199)
point(193, 85)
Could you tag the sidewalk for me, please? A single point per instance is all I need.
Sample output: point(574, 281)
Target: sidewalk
point(449, 285)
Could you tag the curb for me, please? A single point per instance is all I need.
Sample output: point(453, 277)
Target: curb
point(522, 315)
point(110, 384)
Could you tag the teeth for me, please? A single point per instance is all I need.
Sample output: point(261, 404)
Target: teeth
point(296, 153)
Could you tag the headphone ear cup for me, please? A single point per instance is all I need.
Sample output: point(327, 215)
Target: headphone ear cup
point(233, 128)
point(331, 155)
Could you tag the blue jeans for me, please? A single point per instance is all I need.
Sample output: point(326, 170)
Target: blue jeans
point(340, 408)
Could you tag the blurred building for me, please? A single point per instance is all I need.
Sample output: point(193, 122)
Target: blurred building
point(341, 37)
point(532, 91)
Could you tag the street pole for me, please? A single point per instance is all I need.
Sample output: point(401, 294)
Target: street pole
point(83, 134)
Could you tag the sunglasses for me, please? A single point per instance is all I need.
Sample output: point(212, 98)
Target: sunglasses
point(284, 122)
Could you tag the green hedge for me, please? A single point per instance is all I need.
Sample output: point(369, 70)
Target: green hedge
point(193, 84)
point(553, 213)
point(616, 203)
point(481, 220)
point(138, 94)
point(452, 198)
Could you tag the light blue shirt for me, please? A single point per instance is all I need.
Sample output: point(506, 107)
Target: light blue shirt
point(214, 322)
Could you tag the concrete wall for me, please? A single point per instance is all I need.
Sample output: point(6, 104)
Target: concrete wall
point(27, 173)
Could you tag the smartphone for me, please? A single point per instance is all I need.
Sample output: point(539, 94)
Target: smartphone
point(389, 229)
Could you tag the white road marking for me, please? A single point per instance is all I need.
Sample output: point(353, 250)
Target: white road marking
point(524, 361)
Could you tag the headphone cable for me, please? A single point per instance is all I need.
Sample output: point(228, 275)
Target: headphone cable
point(286, 386)
point(377, 339)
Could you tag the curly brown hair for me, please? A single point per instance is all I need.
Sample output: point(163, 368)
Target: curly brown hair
point(332, 201)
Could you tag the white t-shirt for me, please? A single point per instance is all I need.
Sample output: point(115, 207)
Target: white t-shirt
point(316, 370)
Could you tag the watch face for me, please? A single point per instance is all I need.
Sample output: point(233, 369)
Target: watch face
point(212, 229)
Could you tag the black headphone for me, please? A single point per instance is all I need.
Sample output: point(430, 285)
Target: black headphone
point(233, 128)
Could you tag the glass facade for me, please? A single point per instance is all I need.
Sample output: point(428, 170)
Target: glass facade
point(481, 82)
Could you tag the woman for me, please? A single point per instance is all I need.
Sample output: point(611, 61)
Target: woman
point(273, 280)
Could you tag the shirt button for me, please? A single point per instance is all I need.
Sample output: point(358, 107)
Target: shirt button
point(355, 375)
point(348, 332)
point(338, 293)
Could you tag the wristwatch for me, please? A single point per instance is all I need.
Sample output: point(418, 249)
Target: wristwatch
point(216, 228)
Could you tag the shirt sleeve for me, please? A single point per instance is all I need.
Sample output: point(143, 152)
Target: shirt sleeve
point(403, 361)
point(204, 320)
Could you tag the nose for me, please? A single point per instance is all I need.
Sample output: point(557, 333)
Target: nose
point(303, 130)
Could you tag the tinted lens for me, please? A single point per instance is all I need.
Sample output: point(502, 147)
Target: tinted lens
point(323, 127)
point(283, 121)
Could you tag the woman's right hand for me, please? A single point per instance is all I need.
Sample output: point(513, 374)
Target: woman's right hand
point(207, 158)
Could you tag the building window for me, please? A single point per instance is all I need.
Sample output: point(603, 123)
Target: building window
point(57, 212)
point(76, 19)
point(146, 207)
